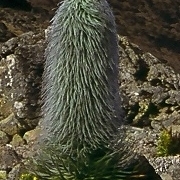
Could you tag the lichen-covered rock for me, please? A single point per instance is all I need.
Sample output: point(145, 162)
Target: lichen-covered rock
point(4, 139)
point(21, 67)
point(3, 175)
point(167, 167)
point(17, 140)
point(10, 125)
point(31, 136)
point(8, 157)
point(20, 77)
point(150, 87)
point(15, 172)
point(146, 140)
point(166, 176)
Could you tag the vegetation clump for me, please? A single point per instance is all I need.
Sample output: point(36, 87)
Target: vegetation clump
point(164, 143)
point(28, 176)
point(168, 144)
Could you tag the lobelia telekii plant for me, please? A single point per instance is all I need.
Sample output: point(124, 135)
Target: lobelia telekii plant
point(81, 111)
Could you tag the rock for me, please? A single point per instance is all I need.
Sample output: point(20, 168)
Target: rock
point(145, 143)
point(153, 25)
point(14, 173)
point(149, 87)
point(19, 108)
point(24, 152)
point(175, 130)
point(10, 125)
point(17, 140)
point(165, 176)
point(144, 168)
point(31, 136)
point(21, 77)
point(19, 4)
point(167, 167)
point(44, 3)
point(8, 157)
point(14, 23)
point(5, 34)
point(3, 175)
point(4, 139)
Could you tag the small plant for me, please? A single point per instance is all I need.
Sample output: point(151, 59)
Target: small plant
point(27, 176)
point(164, 143)
point(168, 143)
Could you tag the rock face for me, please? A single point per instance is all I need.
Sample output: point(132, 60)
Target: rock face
point(150, 87)
point(21, 54)
point(20, 76)
point(154, 25)
point(44, 3)
point(14, 23)
point(8, 158)
point(23, 4)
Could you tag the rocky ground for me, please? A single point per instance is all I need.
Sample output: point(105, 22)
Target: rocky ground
point(149, 45)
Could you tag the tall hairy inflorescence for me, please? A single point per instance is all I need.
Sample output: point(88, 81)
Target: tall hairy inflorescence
point(80, 82)
point(82, 137)
point(80, 93)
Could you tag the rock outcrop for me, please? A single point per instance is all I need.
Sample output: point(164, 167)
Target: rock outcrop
point(150, 87)
point(154, 25)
